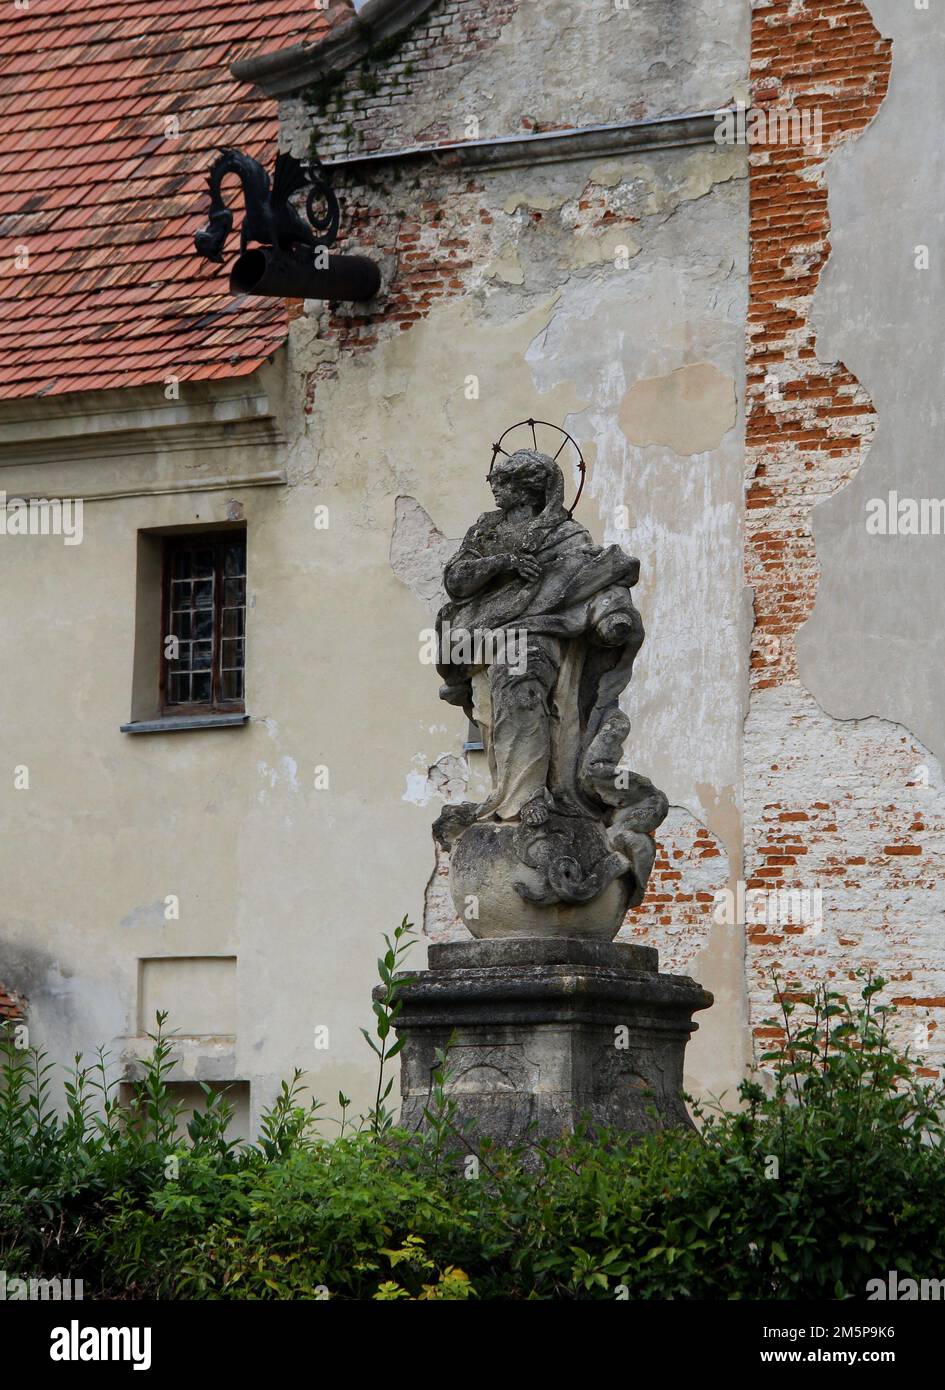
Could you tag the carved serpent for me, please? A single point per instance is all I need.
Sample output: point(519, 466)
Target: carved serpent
point(552, 855)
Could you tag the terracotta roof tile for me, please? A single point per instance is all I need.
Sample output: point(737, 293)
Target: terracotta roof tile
point(107, 206)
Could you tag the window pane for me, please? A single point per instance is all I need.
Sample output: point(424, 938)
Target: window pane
point(234, 592)
point(208, 663)
point(232, 685)
point(232, 645)
point(232, 654)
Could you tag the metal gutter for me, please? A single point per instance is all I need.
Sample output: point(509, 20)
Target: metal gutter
point(552, 146)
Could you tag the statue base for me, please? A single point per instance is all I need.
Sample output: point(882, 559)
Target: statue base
point(486, 867)
point(545, 1033)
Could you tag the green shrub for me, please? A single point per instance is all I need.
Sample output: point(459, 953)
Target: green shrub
point(829, 1177)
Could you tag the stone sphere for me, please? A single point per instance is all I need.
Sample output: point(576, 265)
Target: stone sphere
point(485, 868)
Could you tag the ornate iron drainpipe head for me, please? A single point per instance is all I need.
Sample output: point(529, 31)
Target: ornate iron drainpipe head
point(291, 259)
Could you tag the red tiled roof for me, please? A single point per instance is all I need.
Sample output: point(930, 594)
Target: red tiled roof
point(106, 204)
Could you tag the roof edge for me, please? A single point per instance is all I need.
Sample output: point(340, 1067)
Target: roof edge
point(121, 421)
point(286, 70)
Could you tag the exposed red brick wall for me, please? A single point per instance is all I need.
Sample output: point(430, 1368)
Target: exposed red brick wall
point(436, 234)
point(852, 810)
point(803, 830)
point(824, 54)
point(432, 228)
point(12, 1005)
point(677, 914)
point(841, 807)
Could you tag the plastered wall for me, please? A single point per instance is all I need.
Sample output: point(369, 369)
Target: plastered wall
point(607, 295)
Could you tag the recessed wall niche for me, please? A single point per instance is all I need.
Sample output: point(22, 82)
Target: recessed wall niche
point(198, 993)
point(189, 1095)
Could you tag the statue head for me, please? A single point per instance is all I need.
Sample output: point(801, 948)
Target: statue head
point(528, 478)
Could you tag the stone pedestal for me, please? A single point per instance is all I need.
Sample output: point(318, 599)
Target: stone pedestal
point(545, 1032)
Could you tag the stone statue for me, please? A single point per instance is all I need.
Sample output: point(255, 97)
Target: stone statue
point(536, 643)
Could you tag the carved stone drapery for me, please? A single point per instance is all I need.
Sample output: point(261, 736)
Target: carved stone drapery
point(536, 643)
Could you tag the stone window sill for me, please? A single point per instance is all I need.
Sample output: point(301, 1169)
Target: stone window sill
point(180, 723)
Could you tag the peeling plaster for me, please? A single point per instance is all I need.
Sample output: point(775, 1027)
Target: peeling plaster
point(850, 752)
point(696, 176)
point(598, 337)
point(507, 267)
point(542, 202)
point(365, 427)
point(881, 910)
point(689, 410)
point(608, 175)
point(419, 552)
point(593, 247)
point(447, 778)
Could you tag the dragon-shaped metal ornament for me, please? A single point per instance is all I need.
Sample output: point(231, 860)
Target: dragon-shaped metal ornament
point(290, 258)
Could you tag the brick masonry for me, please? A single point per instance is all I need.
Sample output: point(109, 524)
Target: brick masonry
point(439, 234)
point(398, 217)
point(852, 810)
point(690, 871)
point(438, 237)
point(12, 1005)
point(434, 231)
point(370, 106)
point(809, 423)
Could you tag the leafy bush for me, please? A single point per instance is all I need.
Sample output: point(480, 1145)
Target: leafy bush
point(830, 1176)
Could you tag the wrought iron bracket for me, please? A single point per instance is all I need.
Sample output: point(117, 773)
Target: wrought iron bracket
point(290, 259)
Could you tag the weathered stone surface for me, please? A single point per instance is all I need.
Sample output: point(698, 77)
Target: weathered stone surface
point(536, 642)
point(586, 1030)
point(525, 950)
point(487, 870)
point(546, 1021)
